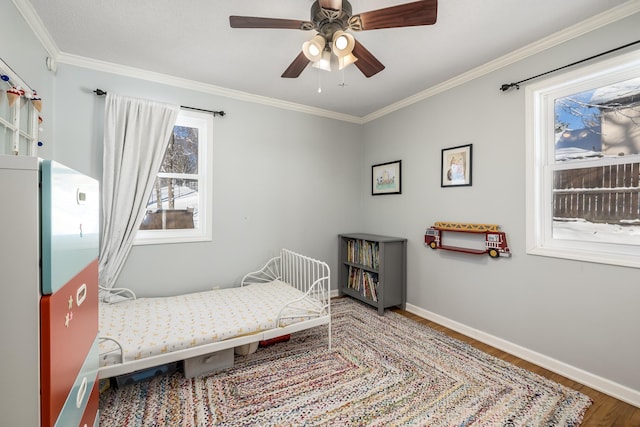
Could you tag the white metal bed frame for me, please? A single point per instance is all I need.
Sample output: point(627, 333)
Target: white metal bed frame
point(308, 275)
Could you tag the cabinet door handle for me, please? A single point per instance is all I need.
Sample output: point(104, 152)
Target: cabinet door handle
point(81, 196)
point(81, 392)
point(81, 294)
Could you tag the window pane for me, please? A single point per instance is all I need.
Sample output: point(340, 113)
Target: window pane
point(599, 203)
point(5, 110)
point(6, 135)
point(182, 151)
point(173, 205)
point(178, 208)
point(25, 117)
point(600, 122)
point(24, 144)
point(6, 140)
point(583, 163)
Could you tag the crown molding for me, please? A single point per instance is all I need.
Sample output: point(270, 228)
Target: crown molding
point(605, 18)
point(612, 15)
point(139, 73)
point(56, 56)
point(35, 23)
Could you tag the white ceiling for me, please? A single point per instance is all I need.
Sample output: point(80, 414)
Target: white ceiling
point(192, 40)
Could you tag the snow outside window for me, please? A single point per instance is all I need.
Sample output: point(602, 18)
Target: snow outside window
point(583, 163)
point(178, 209)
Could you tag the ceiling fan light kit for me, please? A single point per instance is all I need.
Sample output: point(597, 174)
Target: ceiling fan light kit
point(333, 48)
point(346, 60)
point(313, 48)
point(327, 61)
point(343, 43)
point(330, 57)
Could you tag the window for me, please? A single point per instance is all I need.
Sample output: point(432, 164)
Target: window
point(583, 163)
point(179, 208)
point(19, 108)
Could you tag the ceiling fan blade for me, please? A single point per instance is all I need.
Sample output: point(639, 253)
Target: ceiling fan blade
point(255, 22)
point(296, 67)
point(331, 4)
point(367, 63)
point(424, 12)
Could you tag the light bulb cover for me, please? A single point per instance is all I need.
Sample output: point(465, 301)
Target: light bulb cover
point(313, 48)
point(342, 43)
point(326, 62)
point(345, 61)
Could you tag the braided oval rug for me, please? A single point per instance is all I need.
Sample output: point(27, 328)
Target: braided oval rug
point(382, 370)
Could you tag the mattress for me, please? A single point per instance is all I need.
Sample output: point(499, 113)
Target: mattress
point(151, 326)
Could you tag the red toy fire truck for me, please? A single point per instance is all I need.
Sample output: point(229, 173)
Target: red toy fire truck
point(495, 242)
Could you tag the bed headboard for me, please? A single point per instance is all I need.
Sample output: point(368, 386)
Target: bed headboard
point(306, 274)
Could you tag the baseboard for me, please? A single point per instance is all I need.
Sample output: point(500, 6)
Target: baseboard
point(596, 382)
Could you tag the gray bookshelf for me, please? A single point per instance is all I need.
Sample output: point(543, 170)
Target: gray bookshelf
point(373, 269)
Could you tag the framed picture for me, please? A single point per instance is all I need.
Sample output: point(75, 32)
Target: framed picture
point(386, 178)
point(456, 166)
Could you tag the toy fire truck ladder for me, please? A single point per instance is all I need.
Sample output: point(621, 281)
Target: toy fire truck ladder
point(495, 242)
point(460, 226)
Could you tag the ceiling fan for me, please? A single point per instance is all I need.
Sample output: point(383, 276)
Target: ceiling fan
point(333, 44)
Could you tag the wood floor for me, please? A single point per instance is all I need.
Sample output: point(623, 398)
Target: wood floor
point(605, 411)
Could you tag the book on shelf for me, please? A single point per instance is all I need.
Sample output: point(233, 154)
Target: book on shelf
point(364, 282)
point(363, 252)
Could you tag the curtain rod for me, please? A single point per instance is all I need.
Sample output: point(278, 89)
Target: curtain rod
point(505, 87)
point(101, 92)
point(12, 78)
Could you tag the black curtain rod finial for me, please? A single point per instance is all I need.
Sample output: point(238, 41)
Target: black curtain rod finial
point(99, 92)
point(505, 87)
point(215, 113)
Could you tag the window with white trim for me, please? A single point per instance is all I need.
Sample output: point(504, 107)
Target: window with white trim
point(583, 163)
point(179, 208)
point(19, 114)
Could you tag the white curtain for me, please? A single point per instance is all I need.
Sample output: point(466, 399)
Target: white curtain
point(136, 134)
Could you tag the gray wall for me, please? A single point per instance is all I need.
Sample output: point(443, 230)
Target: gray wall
point(278, 181)
point(22, 51)
point(585, 315)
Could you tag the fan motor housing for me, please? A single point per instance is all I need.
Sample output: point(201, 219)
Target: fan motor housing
point(328, 21)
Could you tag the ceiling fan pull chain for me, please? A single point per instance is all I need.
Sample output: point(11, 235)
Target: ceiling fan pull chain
point(319, 81)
